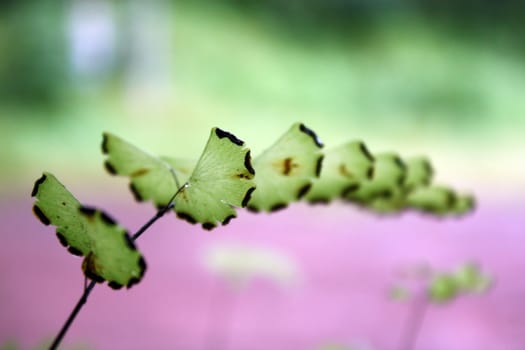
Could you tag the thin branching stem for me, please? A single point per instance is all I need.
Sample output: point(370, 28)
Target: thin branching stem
point(87, 290)
point(414, 323)
point(151, 221)
point(73, 315)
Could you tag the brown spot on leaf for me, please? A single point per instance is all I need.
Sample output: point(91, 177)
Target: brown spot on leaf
point(366, 152)
point(399, 162)
point(142, 265)
point(187, 217)
point(135, 280)
point(319, 200)
point(208, 226)
point(132, 282)
point(40, 215)
point(253, 209)
point(277, 207)
point(114, 285)
point(247, 196)
point(228, 219)
point(62, 239)
point(135, 192)
point(319, 166)
point(345, 172)
point(303, 190)
point(140, 172)
point(104, 143)
point(87, 211)
point(312, 134)
point(248, 163)
point(370, 172)
point(221, 134)
point(37, 184)
point(90, 268)
point(107, 219)
point(288, 165)
point(349, 189)
point(110, 169)
point(74, 251)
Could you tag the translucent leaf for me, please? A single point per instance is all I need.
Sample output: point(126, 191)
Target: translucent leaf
point(399, 293)
point(240, 263)
point(222, 179)
point(151, 177)
point(285, 171)
point(442, 288)
point(470, 279)
point(109, 253)
point(384, 191)
point(419, 173)
point(344, 168)
point(463, 204)
point(438, 200)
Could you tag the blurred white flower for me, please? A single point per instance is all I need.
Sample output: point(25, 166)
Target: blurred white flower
point(239, 263)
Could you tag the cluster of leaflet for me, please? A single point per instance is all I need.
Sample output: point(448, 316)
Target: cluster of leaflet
point(208, 190)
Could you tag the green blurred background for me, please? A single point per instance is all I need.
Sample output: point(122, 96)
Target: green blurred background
point(444, 78)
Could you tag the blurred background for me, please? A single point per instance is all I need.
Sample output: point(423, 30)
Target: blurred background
point(440, 78)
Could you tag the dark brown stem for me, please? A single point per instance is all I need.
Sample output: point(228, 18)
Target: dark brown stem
point(87, 290)
point(71, 318)
point(414, 323)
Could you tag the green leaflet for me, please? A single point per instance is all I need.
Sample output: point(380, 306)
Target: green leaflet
point(398, 185)
point(221, 179)
point(285, 171)
point(419, 173)
point(109, 253)
point(442, 288)
point(151, 178)
point(344, 168)
point(463, 204)
point(439, 200)
point(384, 191)
point(469, 278)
